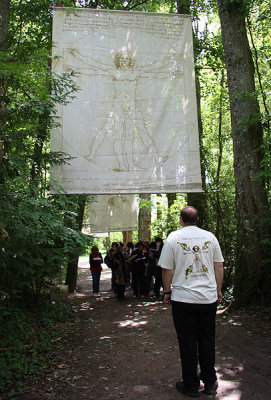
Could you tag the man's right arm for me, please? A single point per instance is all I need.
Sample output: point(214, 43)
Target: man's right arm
point(167, 278)
point(219, 273)
point(166, 261)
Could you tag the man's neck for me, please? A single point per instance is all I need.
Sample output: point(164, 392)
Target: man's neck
point(186, 225)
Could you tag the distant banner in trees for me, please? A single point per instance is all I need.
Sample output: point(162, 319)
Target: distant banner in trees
point(132, 128)
point(111, 213)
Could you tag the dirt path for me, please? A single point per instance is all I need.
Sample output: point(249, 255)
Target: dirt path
point(128, 350)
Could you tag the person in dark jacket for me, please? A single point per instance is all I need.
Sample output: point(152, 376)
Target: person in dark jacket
point(116, 261)
point(139, 258)
point(127, 254)
point(95, 261)
point(153, 271)
point(158, 271)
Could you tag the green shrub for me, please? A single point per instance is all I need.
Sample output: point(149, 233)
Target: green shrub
point(26, 340)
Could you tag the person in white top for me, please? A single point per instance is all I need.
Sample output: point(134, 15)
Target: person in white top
point(192, 269)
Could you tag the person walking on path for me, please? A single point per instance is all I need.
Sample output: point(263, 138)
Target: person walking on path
point(192, 264)
point(95, 261)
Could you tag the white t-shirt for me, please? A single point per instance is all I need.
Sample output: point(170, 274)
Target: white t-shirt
point(190, 253)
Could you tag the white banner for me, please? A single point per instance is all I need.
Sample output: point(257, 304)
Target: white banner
point(111, 213)
point(132, 127)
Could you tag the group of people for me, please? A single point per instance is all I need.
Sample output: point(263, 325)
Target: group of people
point(134, 266)
point(190, 265)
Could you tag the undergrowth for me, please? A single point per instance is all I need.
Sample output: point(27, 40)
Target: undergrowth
point(26, 339)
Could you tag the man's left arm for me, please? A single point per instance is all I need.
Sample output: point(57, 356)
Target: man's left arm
point(219, 273)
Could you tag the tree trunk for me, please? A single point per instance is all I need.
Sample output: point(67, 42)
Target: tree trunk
point(219, 216)
point(247, 141)
point(72, 268)
point(4, 18)
point(171, 197)
point(198, 200)
point(159, 214)
point(183, 6)
point(144, 219)
point(127, 236)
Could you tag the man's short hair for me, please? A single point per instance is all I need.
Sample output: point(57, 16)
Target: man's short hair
point(190, 215)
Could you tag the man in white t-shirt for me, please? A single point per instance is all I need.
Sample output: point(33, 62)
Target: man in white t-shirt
point(192, 271)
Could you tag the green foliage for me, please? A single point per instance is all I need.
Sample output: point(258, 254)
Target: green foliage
point(220, 184)
point(259, 27)
point(38, 230)
point(216, 143)
point(36, 244)
point(145, 203)
point(136, 5)
point(26, 341)
point(116, 237)
point(100, 242)
point(166, 219)
point(173, 214)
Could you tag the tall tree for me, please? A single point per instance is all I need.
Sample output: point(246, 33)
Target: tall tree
point(144, 217)
point(171, 197)
point(73, 257)
point(252, 206)
point(198, 200)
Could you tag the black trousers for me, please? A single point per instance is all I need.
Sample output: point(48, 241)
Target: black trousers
point(156, 272)
point(195, 328)
point(138, 274)
point(120, 291)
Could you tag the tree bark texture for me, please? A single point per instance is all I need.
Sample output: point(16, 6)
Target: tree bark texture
point(247, 141)
point(4, 20)
point(198, 200)
point(159, 213)
point(127, 236)
point(144, 220)
point(171, 197)
point(72, 268)
point(219, 216)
